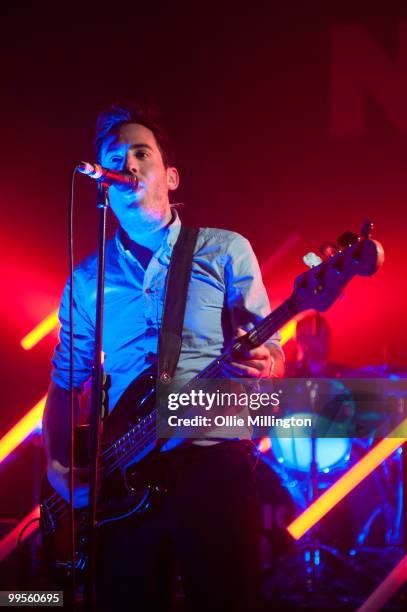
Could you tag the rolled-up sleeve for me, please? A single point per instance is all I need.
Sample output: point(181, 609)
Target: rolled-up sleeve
point(83, 338)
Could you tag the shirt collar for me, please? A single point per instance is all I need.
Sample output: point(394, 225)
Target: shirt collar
point(166, 246)
point(174, 228)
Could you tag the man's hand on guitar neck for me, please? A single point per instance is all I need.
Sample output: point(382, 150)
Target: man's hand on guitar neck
point(264, 361)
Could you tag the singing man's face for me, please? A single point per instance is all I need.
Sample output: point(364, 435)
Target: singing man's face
point(133, 149)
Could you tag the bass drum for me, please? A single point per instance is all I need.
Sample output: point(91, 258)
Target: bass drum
point(295, 454)
point(333, 421)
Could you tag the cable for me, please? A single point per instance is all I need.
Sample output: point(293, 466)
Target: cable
point(19, 542)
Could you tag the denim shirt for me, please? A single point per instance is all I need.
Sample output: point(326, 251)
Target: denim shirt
point(225, 292)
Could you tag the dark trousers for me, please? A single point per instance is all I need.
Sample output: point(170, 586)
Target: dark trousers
point(207, 527)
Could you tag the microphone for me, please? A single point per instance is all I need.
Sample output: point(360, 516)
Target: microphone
point(104, 175)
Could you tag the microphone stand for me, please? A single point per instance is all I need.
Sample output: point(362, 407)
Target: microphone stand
point(95, 422)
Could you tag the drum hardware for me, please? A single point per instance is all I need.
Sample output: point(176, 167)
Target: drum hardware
point(367, 523)
point(312, 546)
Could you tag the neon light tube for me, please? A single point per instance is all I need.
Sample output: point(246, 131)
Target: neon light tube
point(386, 589)
point(288, 331)
point(21, 430)
point(347, 483)
point(9, 542)
point(40, 331)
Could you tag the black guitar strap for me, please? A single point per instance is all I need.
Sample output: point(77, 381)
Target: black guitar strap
point(179, 273)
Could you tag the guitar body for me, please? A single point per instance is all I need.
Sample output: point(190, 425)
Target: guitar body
point(129, 481)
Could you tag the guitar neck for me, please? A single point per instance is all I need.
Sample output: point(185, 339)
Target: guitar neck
point(255, 337)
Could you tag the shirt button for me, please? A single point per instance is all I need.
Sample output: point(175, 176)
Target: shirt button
point(150, 331)
point(149, 322)
point(148, 290)
point(150, 357)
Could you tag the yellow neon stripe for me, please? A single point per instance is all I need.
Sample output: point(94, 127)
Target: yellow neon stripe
point(9, 542)
point(40, 331)
point(347, 482)
point(288, 331)
point(22, 429)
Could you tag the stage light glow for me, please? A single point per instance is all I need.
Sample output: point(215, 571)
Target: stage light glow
point(264, 445)
point(386, 589)
point(279, 253)
point(347, 482)
point(21, 430)
point(288, 331)
point(40, 331)
point(10, 541)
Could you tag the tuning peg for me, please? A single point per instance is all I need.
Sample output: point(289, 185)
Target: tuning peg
point(367, 229)
point(311, 260)
point(327, 249)
point(347, 239)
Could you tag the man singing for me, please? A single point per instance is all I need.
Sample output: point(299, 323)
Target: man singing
point(207, 526)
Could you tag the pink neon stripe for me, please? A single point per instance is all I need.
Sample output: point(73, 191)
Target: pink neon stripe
point(9, 542)
point(387, 588)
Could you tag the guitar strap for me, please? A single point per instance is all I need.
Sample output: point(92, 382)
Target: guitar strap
point(178, 277)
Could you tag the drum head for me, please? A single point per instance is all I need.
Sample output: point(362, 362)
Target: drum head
point(295, 453)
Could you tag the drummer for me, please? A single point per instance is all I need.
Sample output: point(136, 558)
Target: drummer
point(313, 343)
point(333, 400)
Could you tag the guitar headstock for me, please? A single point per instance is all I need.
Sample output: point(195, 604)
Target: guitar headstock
point(320, 286)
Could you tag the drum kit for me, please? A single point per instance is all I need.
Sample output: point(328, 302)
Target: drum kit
point(350, 550)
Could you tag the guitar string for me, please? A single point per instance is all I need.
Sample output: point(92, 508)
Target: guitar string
point(113, 448)
point(123, 457)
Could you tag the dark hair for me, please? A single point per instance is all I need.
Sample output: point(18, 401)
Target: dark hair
point(110, 120)
point(314, 325)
